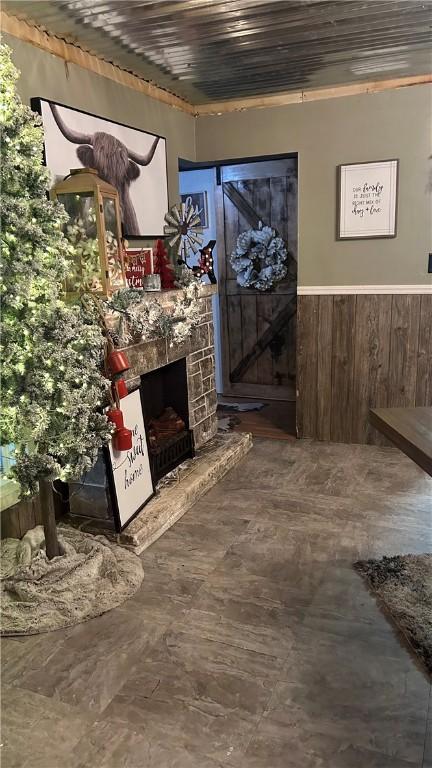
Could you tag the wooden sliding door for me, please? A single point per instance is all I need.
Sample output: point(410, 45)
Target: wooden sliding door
point(258, 330)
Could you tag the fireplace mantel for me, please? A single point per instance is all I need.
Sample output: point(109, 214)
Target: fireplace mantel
point(168, 297)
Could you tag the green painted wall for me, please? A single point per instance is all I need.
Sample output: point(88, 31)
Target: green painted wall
point(393, 124)
point(324, 133)
point(45, 75)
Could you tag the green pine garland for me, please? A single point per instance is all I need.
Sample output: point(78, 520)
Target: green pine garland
point(52, 385)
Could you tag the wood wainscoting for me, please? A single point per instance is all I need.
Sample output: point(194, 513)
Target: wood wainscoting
point(360, 351)
point(18, 519)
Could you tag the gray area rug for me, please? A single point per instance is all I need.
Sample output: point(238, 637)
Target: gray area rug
point(226, 423)
point(241, 407)
point(404, 586)
point(40, 595)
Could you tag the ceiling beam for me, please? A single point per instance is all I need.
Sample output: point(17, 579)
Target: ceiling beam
point(306, 95)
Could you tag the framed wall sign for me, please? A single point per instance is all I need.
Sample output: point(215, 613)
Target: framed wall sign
point(367, 200)
point(138, 262)
point(131, 483)
point(132, 160)
point(199, 201)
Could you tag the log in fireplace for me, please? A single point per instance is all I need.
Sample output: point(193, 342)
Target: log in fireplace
point(166, 414)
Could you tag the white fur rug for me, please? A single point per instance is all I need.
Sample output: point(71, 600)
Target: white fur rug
point(39, 595)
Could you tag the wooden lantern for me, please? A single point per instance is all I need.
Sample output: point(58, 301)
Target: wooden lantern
point(94, 229)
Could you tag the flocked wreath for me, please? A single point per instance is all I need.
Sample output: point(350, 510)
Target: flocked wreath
point(260, 258)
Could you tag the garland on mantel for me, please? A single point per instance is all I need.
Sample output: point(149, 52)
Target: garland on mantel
point(137, 317)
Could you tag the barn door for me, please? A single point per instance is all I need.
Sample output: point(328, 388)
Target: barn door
point(258, 329)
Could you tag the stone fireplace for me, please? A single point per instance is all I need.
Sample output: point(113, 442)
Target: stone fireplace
point(178, 384)
point(198, 355)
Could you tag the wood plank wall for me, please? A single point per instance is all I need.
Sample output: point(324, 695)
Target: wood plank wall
point(18, 519)
point(15, 521)
point(355, 352)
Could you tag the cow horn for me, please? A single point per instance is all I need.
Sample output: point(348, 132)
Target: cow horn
point(70, 135)
point(144, 159)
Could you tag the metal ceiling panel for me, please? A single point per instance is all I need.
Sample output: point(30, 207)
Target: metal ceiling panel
point(208, 50)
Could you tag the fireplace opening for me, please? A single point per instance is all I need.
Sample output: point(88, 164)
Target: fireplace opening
point(166, 414)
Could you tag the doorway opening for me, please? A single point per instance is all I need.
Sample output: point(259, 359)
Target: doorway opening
point(255, 331)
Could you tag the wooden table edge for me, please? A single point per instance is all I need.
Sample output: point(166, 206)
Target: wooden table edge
point(403, 443)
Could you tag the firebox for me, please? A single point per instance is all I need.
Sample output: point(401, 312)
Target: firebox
point(166, 414)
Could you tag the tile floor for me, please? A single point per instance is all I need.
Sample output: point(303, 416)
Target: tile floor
point(252, 643)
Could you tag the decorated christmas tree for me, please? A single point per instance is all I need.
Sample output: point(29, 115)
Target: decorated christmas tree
point(163, 266)
point(52, 385)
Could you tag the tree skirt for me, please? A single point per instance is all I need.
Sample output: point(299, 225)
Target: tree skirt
point(404, 585)
point(92, 577)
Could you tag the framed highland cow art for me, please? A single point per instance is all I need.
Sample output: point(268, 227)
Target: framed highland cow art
point(132, 160)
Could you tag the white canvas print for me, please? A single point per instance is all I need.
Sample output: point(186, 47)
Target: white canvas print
point(131, 476)
point(368, 199)
point(131, 160)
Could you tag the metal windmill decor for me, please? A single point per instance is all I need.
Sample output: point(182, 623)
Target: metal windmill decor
point(183, 226)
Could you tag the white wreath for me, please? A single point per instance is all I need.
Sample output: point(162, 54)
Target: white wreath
point(259, 258)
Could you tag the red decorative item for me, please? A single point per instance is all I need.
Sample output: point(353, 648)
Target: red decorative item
point(120, 387)
point(122, 439)
point(115, 416)
point(163, 266)
point(138, 263)
point(117, 361)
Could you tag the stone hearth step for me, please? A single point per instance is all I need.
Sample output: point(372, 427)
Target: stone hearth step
point(178, 492)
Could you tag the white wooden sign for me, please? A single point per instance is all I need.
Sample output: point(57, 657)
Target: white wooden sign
point(131, 480)
point(368, 199)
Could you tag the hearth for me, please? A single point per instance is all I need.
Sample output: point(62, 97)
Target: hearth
point(166, 414)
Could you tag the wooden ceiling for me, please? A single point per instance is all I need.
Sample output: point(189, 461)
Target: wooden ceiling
point(207, 50)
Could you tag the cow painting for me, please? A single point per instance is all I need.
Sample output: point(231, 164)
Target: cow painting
point(114, 162)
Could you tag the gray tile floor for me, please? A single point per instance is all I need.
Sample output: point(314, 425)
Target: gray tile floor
point(252, 642)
